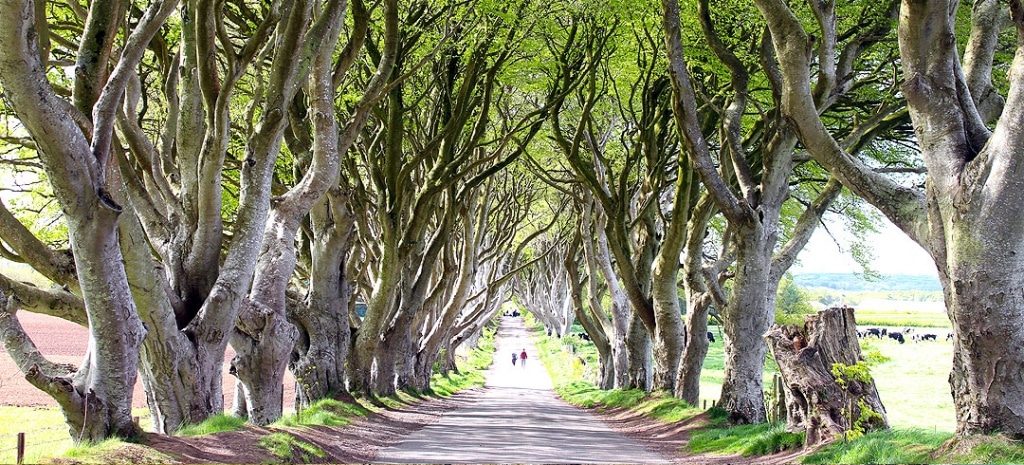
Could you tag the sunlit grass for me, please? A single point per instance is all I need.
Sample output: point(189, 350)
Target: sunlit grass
point(575, 380)
point(891, 446)
point(288, 448)
point(115, 450)
point(46, 433)
point(214, 424)
point(746, 440)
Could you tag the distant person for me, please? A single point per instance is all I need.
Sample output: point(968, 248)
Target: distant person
point(522, 358)
point(514, 358)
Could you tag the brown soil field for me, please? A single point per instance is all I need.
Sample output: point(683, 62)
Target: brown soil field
point(64, 342)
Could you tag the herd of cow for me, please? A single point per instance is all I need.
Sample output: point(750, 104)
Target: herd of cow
point(901, 336)
point(880, 333)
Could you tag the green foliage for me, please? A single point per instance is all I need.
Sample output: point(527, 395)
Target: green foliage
point(791, 303)
point(747, 440)
point(214, 424)
point(860, 372)
point(288, 448)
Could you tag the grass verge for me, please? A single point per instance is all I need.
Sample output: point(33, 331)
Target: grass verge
point(746, 440)
point(572, 364)
point(115, 451)
point(214, 424)
point(290, 449)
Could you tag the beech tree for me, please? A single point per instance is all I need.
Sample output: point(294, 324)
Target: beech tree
point(264, 340)
point(967, 214)
point(437, 137)
point(76, 151)
point(748, 177)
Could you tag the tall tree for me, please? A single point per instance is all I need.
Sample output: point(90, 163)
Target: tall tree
point(96, 398)
point(264, 339)
point(749, 184)
point(966, 216)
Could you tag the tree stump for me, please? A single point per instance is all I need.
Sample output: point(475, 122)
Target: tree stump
point(816, 401)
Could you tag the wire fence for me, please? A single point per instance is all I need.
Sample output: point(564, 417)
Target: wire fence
point(31, 443)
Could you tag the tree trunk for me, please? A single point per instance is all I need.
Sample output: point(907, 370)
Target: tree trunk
point(638, 344)
point(816, 402)
point(746, 318)
point(694, 353)
point(263, 343)
point(318, 360)
point(988, 356)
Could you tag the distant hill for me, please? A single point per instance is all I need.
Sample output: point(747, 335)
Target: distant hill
point(856, 282)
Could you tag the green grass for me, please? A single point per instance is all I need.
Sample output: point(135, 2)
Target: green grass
point(746, 440)
point(892, 446)
point(115, 450)
point(46, 433)
point(288, 448)
point(472, 375)
point(574, 380)
point(214, 424)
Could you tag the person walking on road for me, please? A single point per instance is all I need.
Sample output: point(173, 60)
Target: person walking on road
point(522, 358)
point(514, 358)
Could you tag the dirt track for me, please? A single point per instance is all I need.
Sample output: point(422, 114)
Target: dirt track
point(64, 342)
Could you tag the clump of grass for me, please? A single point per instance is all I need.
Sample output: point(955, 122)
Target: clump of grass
point(883, 446)
point(446, 385)
point(325, 412)
point(747, 440)
point(288, 448)
point(981, 449)
point(214, 424)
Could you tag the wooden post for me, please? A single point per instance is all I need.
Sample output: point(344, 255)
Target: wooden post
point(705, 407)
point(21, 448)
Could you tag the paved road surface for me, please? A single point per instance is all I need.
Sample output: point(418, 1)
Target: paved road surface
point(517, 418)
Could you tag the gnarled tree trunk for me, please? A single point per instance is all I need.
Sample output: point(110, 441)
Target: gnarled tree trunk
point(816, 402)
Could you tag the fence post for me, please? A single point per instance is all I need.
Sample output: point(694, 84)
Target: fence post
point(21, 448)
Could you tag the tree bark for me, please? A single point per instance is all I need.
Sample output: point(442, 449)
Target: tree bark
point(816, 402)
point(638, 345)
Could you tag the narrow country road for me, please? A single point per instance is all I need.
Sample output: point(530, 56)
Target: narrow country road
point(517, 418)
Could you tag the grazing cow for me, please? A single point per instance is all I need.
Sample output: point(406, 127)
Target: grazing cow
point(929, 337)
point(711, 336)
point(873, 332)
point(949, 336)
point(897, 336)
point(883, 332)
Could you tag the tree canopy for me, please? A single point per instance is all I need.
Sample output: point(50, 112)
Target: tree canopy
point(192, 174)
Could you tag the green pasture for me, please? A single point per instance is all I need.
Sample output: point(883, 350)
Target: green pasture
point(46, 434)
point(901, 318)
point(911, 380)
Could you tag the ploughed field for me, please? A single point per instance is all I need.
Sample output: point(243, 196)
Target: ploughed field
point(64, 342)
